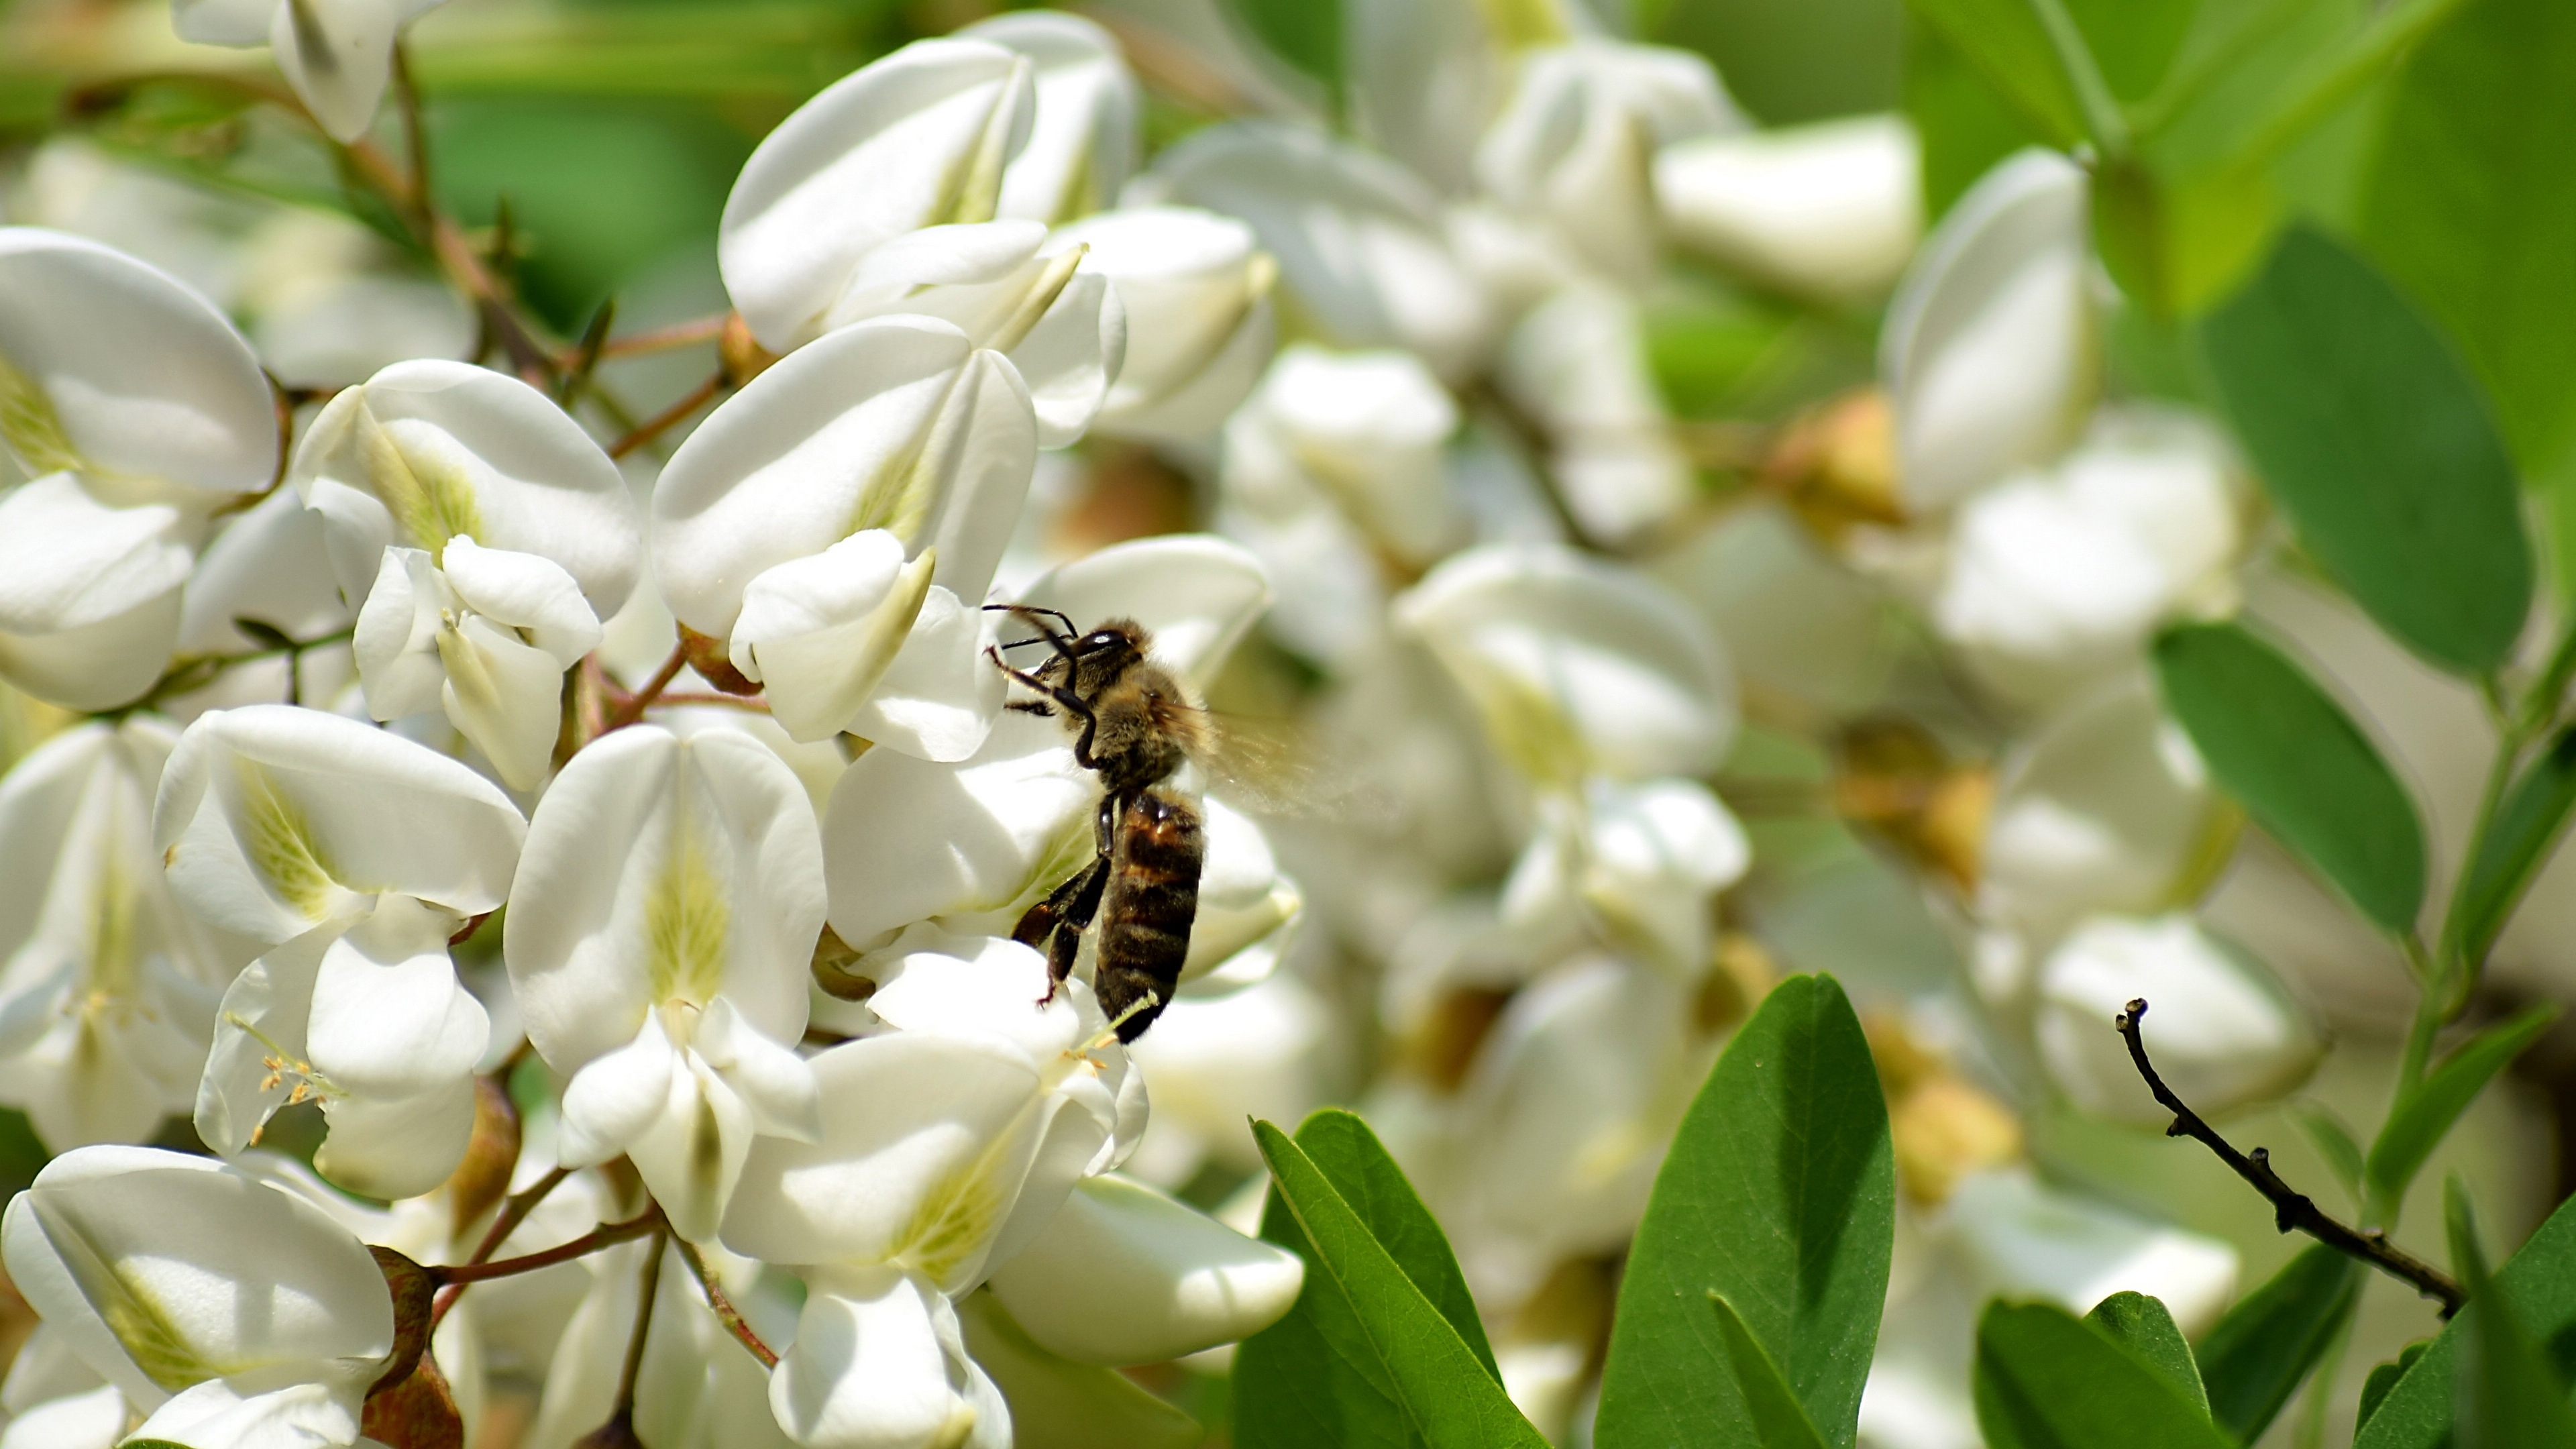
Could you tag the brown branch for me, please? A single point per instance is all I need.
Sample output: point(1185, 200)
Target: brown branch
point(2292, 1211)
point(514, 1211)
point(670, 417)
point(632, 707)
point(646, 1290)
point(666, 339)
point(753, 703)
point(607, 1235)
point(726, 1314)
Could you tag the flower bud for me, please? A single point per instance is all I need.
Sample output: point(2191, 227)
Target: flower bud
point(1125, 1275)
point(1196, 289)
point(1082, 145)
point(1576, 365)
point(338, 57)
point(1829, 210)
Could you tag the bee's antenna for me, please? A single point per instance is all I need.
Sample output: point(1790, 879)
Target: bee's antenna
point(1032, 610)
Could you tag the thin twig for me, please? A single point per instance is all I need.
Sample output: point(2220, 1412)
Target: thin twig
point(632, 707)
point(2291, 1210)
point(666, 339)
point(604, 1236)
point(646, 1290)
point(670, 417)
point(753, 703)
point(726, 1314)
point(415, 133)
point(514, 1211)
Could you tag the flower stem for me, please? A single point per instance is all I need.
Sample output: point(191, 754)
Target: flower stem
point(647, 1289)
point(632, 707)
point(607, 1235)
point(666, 339)
point(726, 1314)
point(514, 1211)
point(670, 417)
point(2291, 1210)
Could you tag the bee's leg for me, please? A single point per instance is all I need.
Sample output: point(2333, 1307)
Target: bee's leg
point(1033, 612)
point(1038, 707)
point(1065, 699)
point(1059, 921)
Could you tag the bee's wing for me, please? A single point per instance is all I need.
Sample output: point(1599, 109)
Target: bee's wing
point(1272, 767)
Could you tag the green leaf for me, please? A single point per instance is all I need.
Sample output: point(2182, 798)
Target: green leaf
point(1825, 58)
point(1779, 1421)
point(1312, 1377)
point(2142, 1325)
point(1778, 1195)
point(1307, 34)
point(1448, 1396)
point(2334, 1143)
point(2257, 1355)
point(2374, 438)
point(2007, 44)
point(1359, 1168)
point(2383, 1377)
point(2539, 1282)
point(262, 634)
point(2527, 823)
point(2472, 205)
point(2424, 1115)
point(2507, 1396)
point(2046, 1379)
point(1964, 126)
point(2175, 243)
point(2298, 764)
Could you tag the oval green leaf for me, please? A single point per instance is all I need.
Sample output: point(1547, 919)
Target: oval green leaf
point(2298, 764)
point(2046, 1379)
point(2375, 440)
point(1779, 1196)
point(2264, 1348)
point(2423, 1116)
point(2140, 1323)
point(2540, 1283)
point(2527, 823)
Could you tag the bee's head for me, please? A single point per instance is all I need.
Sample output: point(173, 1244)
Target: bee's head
point(1096, 657)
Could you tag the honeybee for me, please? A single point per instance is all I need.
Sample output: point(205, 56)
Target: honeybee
point(1135, 724)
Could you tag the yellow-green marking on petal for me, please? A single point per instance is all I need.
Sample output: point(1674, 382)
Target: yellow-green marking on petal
point(30, 426)
point(685, 923)
point(280, 844)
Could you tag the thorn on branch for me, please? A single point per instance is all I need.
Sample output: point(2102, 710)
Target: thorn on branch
point(2291, 1211)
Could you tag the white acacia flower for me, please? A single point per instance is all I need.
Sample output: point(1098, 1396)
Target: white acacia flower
point(1016, 817)
point(1364, 432)
point(1636, 864)
point(1425, 75)
point(269, 564)
point(664, 915)
point(1213, 1062)
point(2105, 806)
point(1574, 147)
point(1988, 350)
point(2057, 575)
point(272, 822)
point(136, 410)
point(2222, 1029)
point(837, 522)
point(1360, 241)
point(1579, 666)
point(338, 54)
point(232, 1313)
point(1576, 363)
point(1830, 209)
point(108, 991)
point(1125, 1275)
point(423, 455)
point(1056, 1403)
point(55, 1401)
point(934, 1147)
point(696, 1388)
point(1196, 289)
point(916, 142)
point(1013, 291)
point(1082, 146)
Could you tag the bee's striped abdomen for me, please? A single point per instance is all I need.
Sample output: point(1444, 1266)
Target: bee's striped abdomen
point(1155, 856)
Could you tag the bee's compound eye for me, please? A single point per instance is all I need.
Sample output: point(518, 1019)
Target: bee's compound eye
point(1100, 639)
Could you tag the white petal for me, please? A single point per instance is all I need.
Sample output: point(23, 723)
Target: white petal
point(1365, 430)
point(1577, 364)
point(878, 1364)
point(100, 666)
point(93, 1420)
point(773, 1081)
point(426, 450)
point(1083, 142)
point(1655, 854)
point(397, 1147)
point(142, 378)
point(691, 1152)
point(69, 560)
point(915, 139)
point(269, 564)
point(906, 839)
point(1197, 594)
point(395, 639)
point(1831, 209)
point(1577, 663)
point(504, 695)
point(267, 813)
point(1987, 349)
point(1359, 241)
point(338, 54)
point(1125, 1275)
point(529, 592)
point(940, 695)
point(889, 423)
point(2026, 1238)
point(389, 1017)
point(1070, 356)
point(1059, 1404)
point(820, 631)
point(259, 1040)
point(951, 268)
point(199, 1268)
point(223, 22)
point(716, 890)
point(2223, 1031)
point(982, 986)
point(925, 1144)
point(614, 1097)
point(1196, 292)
